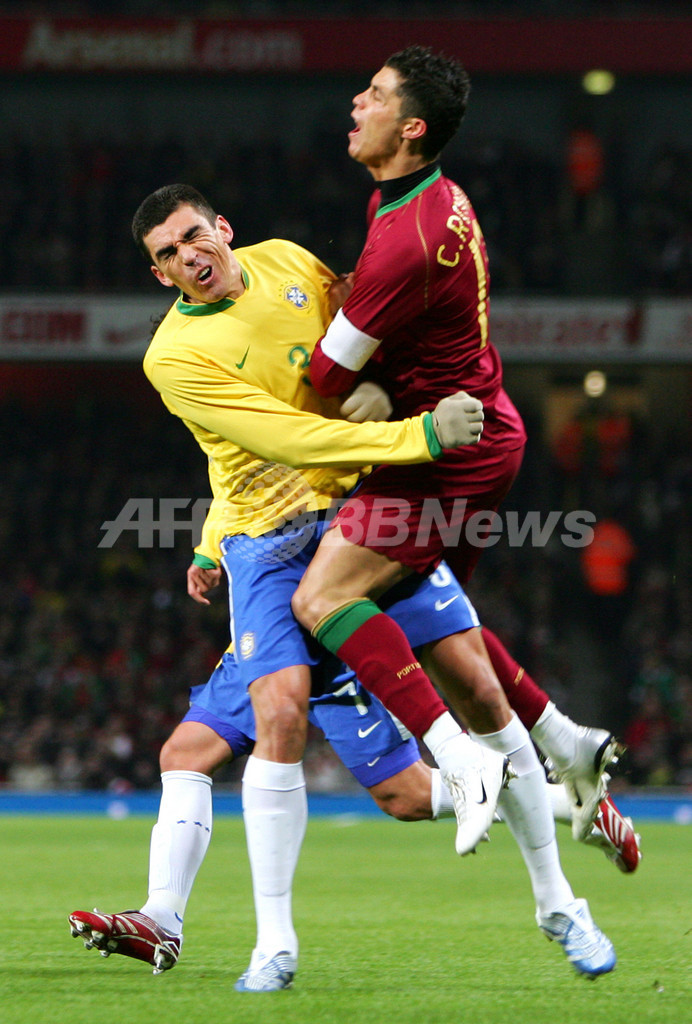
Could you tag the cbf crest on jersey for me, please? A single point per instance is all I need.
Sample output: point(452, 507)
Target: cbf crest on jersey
point(294, 294)
point(247, 645)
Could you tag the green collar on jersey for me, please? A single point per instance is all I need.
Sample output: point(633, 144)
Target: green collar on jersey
point(437, 173)
point(208, 308)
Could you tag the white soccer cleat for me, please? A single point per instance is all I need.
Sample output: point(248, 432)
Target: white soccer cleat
point(475, 790)
point(583, 777)
point(586, 947)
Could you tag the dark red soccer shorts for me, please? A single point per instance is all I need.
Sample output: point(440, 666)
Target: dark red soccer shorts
point(388, 515)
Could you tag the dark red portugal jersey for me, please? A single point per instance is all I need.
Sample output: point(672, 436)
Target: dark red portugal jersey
point(421, 285)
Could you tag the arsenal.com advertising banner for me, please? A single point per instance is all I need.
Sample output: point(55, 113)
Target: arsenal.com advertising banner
point(550, 331)
point(232, 45)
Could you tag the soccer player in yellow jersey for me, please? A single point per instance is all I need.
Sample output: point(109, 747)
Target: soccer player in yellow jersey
point(231, 358)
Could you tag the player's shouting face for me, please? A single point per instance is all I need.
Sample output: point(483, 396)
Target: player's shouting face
point(193, 254)
point(380, 131)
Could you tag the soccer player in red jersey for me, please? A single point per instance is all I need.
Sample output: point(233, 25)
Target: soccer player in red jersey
point(418, 316)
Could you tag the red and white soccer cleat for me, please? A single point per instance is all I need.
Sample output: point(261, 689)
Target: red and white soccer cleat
point(130, 933)
point(615, 835)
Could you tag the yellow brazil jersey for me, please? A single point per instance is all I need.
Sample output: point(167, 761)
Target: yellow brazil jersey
point(236, 372)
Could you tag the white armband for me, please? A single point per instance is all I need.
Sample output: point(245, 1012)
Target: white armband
point(346, 345)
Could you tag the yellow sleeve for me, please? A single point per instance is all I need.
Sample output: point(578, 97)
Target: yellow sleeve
point(254, 420)
point(213, 532)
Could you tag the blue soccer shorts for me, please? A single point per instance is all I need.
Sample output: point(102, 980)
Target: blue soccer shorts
point(266, 637)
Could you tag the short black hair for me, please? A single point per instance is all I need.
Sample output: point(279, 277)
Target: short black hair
point(158, 207)
point(435, 88)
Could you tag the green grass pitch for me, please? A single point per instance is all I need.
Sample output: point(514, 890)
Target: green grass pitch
point(393, 927)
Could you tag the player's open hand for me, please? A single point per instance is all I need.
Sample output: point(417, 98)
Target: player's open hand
point(368, 401)
point(458, 420)
point(339, 291)
point(200, 581)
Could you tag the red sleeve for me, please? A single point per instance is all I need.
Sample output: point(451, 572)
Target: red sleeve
point(373, 204)
point(327, 377)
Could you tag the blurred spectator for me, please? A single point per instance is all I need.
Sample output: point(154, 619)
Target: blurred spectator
point(605, 563)
point(661, 225)
point(98, 646)
point(648, 739)
point(549, 228)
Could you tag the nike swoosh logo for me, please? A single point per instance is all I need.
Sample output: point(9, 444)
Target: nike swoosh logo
point(441, 605)
point(371, 763)
point(485, 795)
point(366, 732)
point(241, 364)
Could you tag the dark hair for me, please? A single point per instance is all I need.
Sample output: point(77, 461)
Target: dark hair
point(434, 88)
point(158, 207)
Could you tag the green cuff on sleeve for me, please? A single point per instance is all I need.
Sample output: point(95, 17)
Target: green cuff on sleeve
point(203, 562)
point(431, 437)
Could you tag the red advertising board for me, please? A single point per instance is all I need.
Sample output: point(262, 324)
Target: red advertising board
point(227, 46)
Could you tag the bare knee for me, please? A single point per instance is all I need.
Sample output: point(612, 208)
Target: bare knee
point(406, 795)
point(308, 605)
point(194, 747)
point(280, 705)
point(175, 757)
point(282, 717)
point(401, 807)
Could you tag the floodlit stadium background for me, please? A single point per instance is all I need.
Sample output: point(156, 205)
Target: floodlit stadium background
point(585, 198)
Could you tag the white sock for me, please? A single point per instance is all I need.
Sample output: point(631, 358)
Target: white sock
point(179, 842)
point(275, 812)
point(450, 747)
point(556, 736)
point(559, 801)
point(440, 797)
point(525, 806)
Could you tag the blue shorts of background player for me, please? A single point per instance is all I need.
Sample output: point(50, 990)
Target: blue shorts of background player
point(371, 743)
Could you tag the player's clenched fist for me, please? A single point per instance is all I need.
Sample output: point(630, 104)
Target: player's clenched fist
point(458, 419)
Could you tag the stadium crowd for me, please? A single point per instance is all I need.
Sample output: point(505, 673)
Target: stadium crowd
point(545, 234)
point(98, 645)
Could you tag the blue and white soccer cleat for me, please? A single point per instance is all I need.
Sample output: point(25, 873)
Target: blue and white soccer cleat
point(272, 976)
point(586, 947)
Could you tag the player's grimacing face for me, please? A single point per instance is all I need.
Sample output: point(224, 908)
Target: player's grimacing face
point(190, 253)
point(376, 137)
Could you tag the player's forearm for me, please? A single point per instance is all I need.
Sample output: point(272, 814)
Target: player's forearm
point(339, 356)
point(274, 431)
point(328, 377)
point(304, 440)
point(213, 530)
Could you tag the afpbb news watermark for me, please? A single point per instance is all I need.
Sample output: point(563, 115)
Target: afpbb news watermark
point(156, 521)
point(386, 522)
